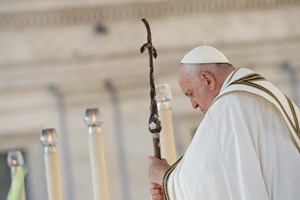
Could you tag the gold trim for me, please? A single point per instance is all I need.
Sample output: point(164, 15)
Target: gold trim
point(250, 77)
point(272, 95)
point(166, 177)
point(233, 74)
point(294, 115)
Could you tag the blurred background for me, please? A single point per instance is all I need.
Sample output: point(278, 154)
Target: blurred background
point(58, 58)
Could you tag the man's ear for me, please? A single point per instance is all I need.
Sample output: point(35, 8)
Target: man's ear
point(209, 80)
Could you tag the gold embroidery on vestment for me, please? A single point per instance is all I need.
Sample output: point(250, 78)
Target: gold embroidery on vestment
point(166, 177)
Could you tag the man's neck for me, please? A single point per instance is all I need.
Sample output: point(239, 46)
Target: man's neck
point(224, 77)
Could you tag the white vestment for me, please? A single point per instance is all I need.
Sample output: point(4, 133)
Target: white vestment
point(244, 148)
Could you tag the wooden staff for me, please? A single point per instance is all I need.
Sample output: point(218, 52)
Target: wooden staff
point(49, 139)
point(154, 123)
point(93, 119)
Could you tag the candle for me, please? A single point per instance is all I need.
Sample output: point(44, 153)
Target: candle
point(164, 97)
point(16, 162)
point(94, 121)
point(49, 139)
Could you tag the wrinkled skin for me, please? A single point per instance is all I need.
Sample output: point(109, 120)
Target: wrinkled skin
point(156, 192)
point(157, 169)
point(201, 90)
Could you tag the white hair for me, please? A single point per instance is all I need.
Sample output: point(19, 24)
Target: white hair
point(217, 69)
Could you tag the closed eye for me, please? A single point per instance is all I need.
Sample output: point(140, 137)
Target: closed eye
point(189, 94)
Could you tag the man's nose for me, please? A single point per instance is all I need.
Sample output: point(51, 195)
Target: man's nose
point(194, 104)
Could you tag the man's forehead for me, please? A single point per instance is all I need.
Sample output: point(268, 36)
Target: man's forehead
point(185, 82)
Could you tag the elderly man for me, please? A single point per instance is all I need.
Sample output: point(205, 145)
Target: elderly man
point(246, 147)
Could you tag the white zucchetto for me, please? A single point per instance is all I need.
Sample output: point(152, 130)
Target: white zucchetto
point(204, 54)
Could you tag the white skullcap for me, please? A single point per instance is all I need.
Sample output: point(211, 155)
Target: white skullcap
point(204, 54)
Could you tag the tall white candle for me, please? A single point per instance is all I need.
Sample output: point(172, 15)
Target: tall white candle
point(16, 163)
point(94, 121)
point(163, 95)
point(53, 175)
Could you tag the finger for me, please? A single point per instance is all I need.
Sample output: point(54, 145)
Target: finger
point(157, 197)
point(153, 159)
point(155, 185)
point(156, 191)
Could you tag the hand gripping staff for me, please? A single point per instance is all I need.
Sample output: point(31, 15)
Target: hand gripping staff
point(154, 123)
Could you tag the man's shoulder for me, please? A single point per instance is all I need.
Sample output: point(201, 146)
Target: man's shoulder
point(236, 102)
point(233, 99)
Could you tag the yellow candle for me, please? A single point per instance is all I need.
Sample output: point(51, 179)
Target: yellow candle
point(52, 167)
point(94, 121)
point(98, 167)
point(167, 141)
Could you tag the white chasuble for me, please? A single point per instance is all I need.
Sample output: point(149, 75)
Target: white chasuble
point(246, 147)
